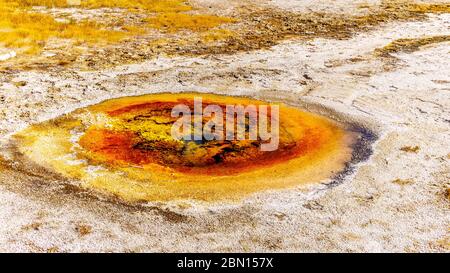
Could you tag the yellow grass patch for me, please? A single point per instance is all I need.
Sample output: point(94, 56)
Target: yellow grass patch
point(429, 8)
point(173, 22)
point(149, 5)
point(28, 31)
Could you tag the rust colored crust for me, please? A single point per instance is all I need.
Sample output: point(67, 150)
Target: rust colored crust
point(129, 147)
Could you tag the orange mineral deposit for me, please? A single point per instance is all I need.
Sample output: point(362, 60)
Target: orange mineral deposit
point(125, 148)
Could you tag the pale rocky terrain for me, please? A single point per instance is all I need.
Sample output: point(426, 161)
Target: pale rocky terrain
point(396, 201)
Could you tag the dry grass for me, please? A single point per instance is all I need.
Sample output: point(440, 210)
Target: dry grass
point(28, 31)
point(148, 5)
point(217, 35)
point(173, 22)
point(430, 8)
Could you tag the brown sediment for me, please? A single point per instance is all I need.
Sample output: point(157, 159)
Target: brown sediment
point(123, 147)
point(83, 230)
point(409, 45)
point(267, 27)
point(410, 149)
point(263, 28)
point(403, 182)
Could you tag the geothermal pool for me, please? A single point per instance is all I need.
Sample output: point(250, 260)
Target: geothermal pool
point(124, 147)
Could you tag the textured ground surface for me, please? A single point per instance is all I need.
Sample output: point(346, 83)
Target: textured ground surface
point(392, 76)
